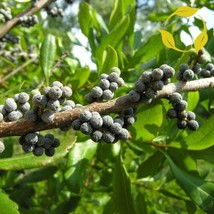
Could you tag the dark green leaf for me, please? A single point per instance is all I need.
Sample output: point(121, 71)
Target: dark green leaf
point(7, 205)
point(122, 189)
point(151, 166)
point(140, 204)
point(48, 51)
point(200, 191)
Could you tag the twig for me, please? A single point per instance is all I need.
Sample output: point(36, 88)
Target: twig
point(116, 105)
point(4, 29)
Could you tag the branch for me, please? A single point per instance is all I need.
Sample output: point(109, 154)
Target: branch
point(116, 105)
point(28, 12)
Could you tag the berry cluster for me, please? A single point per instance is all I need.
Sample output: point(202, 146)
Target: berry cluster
point(36, 143)
point(5, 13)
point(185, 73)
point(54, 12)
point(9, 37)
point(149, 83)
point(208, 71)
point(48, 102)
point(28, 21)
point(14, 108)
point(104, 128)
point(108, 84)
point(184, 119)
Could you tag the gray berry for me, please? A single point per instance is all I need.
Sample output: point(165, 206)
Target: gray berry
point(192, 125)
point(15, 115)
point(31, 138)
point(66, 92)
point(107, 121)
point(108, 137)
point(115, 128)
point(104, 84)
point(191, 115)
point(47, 116)
point(107, 94)
point(85, 116)
point(124, 134)
point(24, 107)
point(172, 113)
point(55, 93)
point(133, 96)
point(40, 100)
point(10, 105)
point(96, 92)
point(38, 151)
point(188, 75)
point(175, 98)
point(115, 69)
point(157, 74)
point(57, 83)
point(103, 76)
point(181, 124)
point(96, 136)
point(86, 128)
point(113, 86)
point(146, 77)
point(76, 124)
point(23, 97)
point(69, 103)
point(53, 105)
point(140, 86)
point(89, 98)
point(50, 151)
point(181, 106)
point(96, 120)
point(113, 76)
point(31, 116)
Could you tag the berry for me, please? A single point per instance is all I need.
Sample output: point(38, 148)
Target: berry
point(23, 97)
point(2, 146)
point(124, 134)
point(53, 105)
point(181, 106)
point(46, 90)
point(30, 116)
point(196, 68)
point(120, 82)
point(133, 96)
point(96, 120)
point(104, 84)
point(66, 108)
point(89, 98)
point(55, 143)
point(113, 86)
point(191, 115)
point(69, 103)
point(28, 148)
point(188, 75)
point(175, 98)
point(115, 128)
point(157, 74)
point(181, 115)
point(140, 86)
point(181, 124)
point(55, 93)
point(115, 69)
point(15, 115)
point(183, 67)
point(38, 151)
point(168, 72)
point(24, 107)
point(150, 93)
point(210, 66)
point(129, 120)
point(113, 77)
point(107, 94)
point(96, 136)
point(50, 151)
point(31, 138)
point(107, 121)
point(205, 73)
point(66, 92)
point(103, 76)
point(119, 120)
point(85, 116)
point(157, 85)
point(47, 116)
point(10, 105)
point(40, 100)
point(179, 76)
point(192, 125)
point(57, 83)
point(76, 124)
point(47, 142)
point(86, 128)
point(96, 92)
point(172, 113)
point(146, 77)
point(108, 137)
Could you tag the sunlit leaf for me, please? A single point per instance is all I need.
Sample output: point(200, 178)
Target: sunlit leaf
point(22, 1)
point(201, 192)
point(7, 205)
point(201, 39)
point(47, 58)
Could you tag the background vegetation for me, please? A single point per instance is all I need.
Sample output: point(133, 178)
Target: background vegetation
point(160, 169)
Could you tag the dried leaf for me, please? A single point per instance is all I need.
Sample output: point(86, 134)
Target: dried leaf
point(201, 39)
point(183, 11)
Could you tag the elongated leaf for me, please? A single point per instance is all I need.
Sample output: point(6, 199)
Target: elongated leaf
point(201, 39)
point(140, 204)
point(7, 205)
point(193, 98)
point(199, 140)
point(151, 166)
point(84, 17)
point(183, 11)
point(78, 161)
point(200, 191)
point(122, 189)
point(29, 161)
point(110, 59)
point(48, 51)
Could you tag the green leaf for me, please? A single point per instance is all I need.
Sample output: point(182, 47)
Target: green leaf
point(110, 59)
point(150, 119)
point(122, 189)
point(140, 204)
point(112, 39)
point(78, 161)
point(84, 17)
point(193, 99)
point(48, 52)
point(7, 205)
point(201, 192)
point(29, 161)
point(200, 139)
point(80, 77)
point(151, 166)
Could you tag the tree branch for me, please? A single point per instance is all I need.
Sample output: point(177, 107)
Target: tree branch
point(116, 105)
point(4, 29)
